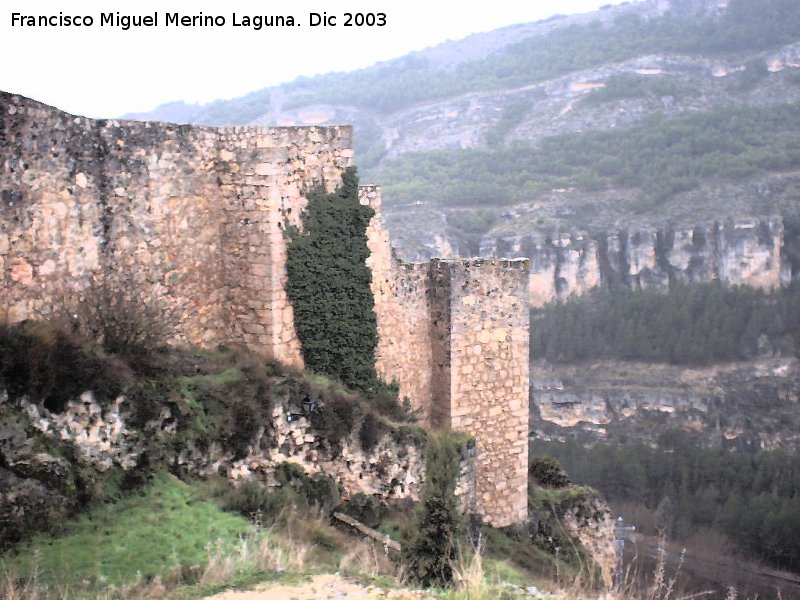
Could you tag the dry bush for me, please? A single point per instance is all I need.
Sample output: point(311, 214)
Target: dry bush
point(261, 550)
point(131, 327)
point(311, 528)
point(49, 365)
point(660, 585)
point(296, 540)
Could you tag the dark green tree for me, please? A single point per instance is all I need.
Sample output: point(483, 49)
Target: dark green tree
point(329, 286)
point(430, 551)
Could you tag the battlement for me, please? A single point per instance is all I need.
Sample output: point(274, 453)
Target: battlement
point(192, 219)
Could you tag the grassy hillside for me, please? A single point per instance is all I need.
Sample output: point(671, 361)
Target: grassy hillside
point(172, 539)
point(166, 528)
point(78, 525)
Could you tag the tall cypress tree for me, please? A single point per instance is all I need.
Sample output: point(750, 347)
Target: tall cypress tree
point(329, 285)
point(430, 552)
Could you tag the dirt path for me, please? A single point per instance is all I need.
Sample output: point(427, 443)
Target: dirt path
point(321, 587)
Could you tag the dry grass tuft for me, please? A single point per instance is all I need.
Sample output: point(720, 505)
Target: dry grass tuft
point(13, 587)
point(260, 550)
point(468, 572)
point(368, 559)
point(662, 587)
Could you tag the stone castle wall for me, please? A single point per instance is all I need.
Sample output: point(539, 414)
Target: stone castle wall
point(187, 217)
point(488, 346)
point(187, 223)
point(467, 323)
point(402, 305)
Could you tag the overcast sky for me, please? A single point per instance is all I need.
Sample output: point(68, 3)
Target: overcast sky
point(106, 72)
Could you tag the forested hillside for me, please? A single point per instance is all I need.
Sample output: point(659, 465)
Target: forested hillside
point(688, 325)
point(642, 111)
point(657, 158)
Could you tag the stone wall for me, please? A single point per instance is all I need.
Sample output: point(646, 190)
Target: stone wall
point(455, 334)
point(401, 292)
point(189, 218)
point(488, 341)
point(183, 227)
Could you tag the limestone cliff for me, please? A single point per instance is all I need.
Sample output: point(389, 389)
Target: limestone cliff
point(761, 252)
point(747, 405)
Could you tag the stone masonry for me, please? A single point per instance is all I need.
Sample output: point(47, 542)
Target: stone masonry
point(186, 223)
point(455, 334)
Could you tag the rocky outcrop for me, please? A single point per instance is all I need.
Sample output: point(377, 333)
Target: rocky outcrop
point(741, 251)
point(750, 405)
point(393, 468)
point(46, 457)
point(761, 252)
point(592, 525)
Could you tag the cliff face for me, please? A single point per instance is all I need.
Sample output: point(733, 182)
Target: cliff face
point(761, 252)
point(741, 251)
point(752, 405)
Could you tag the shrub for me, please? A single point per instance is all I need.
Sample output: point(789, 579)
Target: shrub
point(372, 429)
point(51, 366)
point(546, 471)
point(334, 419)
point(315, 490)
point(129, 327)
point(296, 489)
point(366, 509)
point(252, 498)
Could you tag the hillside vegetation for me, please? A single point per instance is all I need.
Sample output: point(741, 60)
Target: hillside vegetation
point(153, 525)
point(628, 112)
point(659, 158)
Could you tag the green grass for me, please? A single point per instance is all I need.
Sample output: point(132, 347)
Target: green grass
point(541, 498)
point(168, 524)
point(503, 571)
point(190, 385)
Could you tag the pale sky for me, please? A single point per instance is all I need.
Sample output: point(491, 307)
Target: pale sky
point(106, 71)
